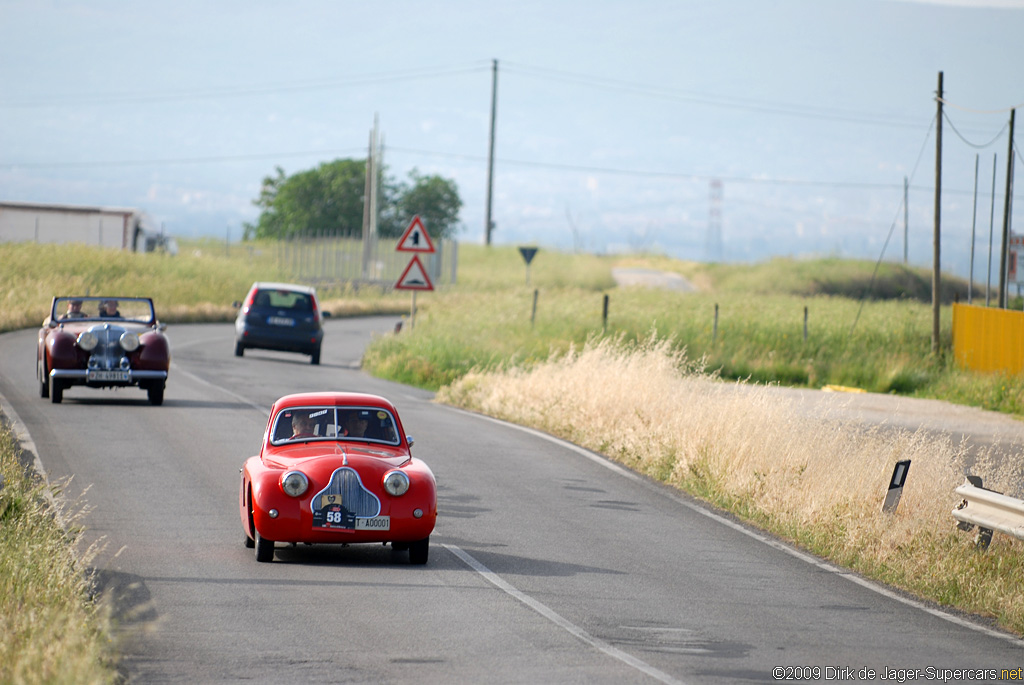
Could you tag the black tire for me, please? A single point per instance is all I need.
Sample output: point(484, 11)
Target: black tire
point(264, 548)
point(44, 382)
point(156, 394)
point(56, 390)
point(249, 542)
point(239, 349)
point(315, 357)
point(419, 551)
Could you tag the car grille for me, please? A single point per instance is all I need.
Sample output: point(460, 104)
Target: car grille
point(107, 354)
point(356, 498)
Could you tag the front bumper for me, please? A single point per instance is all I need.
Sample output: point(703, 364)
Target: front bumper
point(81, 377)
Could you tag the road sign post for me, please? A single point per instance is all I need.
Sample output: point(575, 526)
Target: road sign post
point(528, 254)
point(415, 277)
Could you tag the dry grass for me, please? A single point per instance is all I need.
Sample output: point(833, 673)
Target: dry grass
point(818, 481)
point(51, 631)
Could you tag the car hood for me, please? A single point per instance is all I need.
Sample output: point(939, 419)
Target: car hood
point(322, 454)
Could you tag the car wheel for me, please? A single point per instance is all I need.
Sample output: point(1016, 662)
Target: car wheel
point(239, 349)
point(249, 542)
point(419, 550)
point(156, 394)
point(264, 548)
point(44, 385)
point(315, 358)
point(56, 391)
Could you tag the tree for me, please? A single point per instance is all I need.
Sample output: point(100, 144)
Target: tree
point(329, 200)
point(436, 200)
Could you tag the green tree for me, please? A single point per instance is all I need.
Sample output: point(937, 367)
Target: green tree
point(328, 200)
point(435, 199)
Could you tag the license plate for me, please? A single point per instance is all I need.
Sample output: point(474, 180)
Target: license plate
point(280, 321)
point(376, 523)
point(107, 376)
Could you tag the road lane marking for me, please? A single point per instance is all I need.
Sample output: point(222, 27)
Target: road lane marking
point(570, 627)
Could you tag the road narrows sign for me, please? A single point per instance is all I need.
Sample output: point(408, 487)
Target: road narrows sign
point(415, 238)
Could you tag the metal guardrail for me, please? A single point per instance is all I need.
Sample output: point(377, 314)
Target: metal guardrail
point(989, 511)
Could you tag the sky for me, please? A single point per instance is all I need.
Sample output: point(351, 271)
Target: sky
point(734, 130)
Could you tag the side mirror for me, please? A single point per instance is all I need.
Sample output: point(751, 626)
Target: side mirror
point(326, 314)
point(409, 440)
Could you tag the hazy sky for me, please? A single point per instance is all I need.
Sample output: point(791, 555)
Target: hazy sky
point(614, 119)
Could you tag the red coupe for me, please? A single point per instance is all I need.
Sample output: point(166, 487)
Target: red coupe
point(336, 468)
point(102, 342)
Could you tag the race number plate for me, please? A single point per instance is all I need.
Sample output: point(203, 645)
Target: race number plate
point(376, 523)
point(107, 376)
point(280, 321)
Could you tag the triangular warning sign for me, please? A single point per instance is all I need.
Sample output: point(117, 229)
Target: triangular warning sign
point(414, 277)
point(415, 238)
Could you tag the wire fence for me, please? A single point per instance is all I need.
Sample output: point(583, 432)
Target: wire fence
point(324, 261)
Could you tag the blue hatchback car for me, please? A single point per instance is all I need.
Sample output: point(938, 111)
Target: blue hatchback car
point(280, 316)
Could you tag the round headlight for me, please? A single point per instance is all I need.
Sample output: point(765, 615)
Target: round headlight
point(396, 483)
point(129, 341)
point(294, 483)
point(87, 340)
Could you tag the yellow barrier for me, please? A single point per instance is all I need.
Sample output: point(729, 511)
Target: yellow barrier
point(988, 339)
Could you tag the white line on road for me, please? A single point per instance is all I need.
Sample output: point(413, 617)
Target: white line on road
point(561, 622)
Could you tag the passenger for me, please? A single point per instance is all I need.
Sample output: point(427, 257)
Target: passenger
point(355, 424)
point(109, 309)
point(74, 310)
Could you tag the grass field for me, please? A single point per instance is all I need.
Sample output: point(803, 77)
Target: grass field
point(498, 344)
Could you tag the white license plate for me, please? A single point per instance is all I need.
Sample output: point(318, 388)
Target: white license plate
point(376, 523)
point(108, 376)
point(280, 321)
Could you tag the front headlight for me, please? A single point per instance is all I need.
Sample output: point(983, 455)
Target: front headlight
point(396, 483)
point(294, 483)
point(129, 341)
point(87, 340)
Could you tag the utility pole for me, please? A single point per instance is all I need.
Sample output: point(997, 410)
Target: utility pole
point(991, 225)
point(974, 225)
point(936, 279)
point(906, 217)
point(490, 156)
point(1007, 202)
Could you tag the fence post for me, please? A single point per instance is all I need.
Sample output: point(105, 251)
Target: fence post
point(805, 323)
point(714, 329)
point(604, 315)
point(533, 312)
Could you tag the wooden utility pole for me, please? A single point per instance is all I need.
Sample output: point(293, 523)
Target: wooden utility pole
point(1007, 203)
point(936, 279)
point(490, 156)
point(906, 218)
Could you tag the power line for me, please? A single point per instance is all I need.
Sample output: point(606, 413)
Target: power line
point(220, 92)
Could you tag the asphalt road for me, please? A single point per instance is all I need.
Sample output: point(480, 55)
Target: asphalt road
point(549, 564)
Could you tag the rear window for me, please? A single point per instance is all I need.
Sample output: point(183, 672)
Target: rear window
point(283, 299)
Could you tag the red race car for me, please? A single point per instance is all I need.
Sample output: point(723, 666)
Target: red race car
point(102, 342)
point(336, 468)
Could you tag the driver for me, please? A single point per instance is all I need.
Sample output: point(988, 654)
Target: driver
point(302, 426)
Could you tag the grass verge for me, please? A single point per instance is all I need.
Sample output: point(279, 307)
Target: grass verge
point(51, 628)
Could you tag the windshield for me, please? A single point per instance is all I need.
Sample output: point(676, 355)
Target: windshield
point(364, 424)
point(133, 309)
